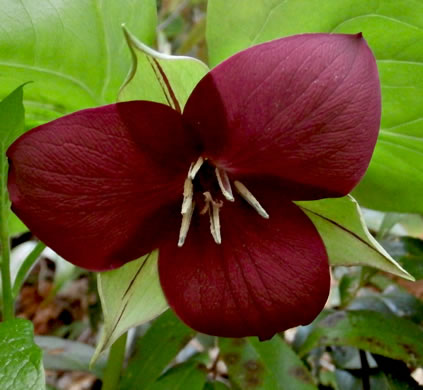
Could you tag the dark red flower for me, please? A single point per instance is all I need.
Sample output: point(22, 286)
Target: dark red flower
point(292, 119)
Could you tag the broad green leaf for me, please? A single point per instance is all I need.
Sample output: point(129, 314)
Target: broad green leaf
point(20, 359)
point(346, 237)
point(383, 334)
point(268, 365)
point(130, 296)
point(394, 31)
point(155, 350)
point(187, 376)
point(160, 77)
point(73, 51)
point(67, 355)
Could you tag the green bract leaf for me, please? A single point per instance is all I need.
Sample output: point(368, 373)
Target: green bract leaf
point(346, 237)
point(394, 32)
point(268, 365)
point(130, 296)
point(383, 334)
point(20, 359)
point(155, 350)
point(74, 51)
point(160, 77)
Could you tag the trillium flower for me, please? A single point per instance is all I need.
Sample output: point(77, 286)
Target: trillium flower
point(212, 187)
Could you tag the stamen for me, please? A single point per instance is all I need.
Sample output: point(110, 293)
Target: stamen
point(251, 200)
point(215, 222)
point(195, 167)
point(207, 200)
point(186, 222)
point(224, 184)
point(188, 194)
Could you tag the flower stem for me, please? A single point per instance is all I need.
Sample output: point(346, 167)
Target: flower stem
point(114, 364)
point(26, 266)
point(8, 304)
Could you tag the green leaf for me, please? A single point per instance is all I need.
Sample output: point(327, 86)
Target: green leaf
point(383, 334)
point(346, 237)
point(12, 117)
point(268, 365)
point(160, 77)
point(74, 51)
point(408, 252)
point(187, 376)
point(130, 296)
point(215, 386)
point(155, 350)
point(394, 32)
point(67, 355)
point(20, 359)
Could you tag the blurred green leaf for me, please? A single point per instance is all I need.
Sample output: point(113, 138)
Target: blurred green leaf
point(346, 237)
point(373, 302)
point(394, 32)
point(408, 252)
point(74, 51)
point(20, 359)
point(155, 350)
point(349, 358)
point(187, 376)
point(348, 286)
point(67, 355)
point(130, 296)
point(159, 77)
point(383, 334)
point(268, 365)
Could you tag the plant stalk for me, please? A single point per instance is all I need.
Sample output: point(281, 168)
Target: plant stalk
point(114, 364)
point(8, 303)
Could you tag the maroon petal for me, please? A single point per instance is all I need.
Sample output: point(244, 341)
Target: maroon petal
point(265, 277)
point(102, 186)
point(305, 109)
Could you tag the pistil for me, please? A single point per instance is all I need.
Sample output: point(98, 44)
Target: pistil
point(200, 181)
point(213, 208)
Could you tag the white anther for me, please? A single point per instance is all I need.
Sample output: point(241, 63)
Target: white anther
point(186, 222)
point(251, 200)
point(188, 194)
point(195, 167)
point(215, 222)
point(224, 184)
